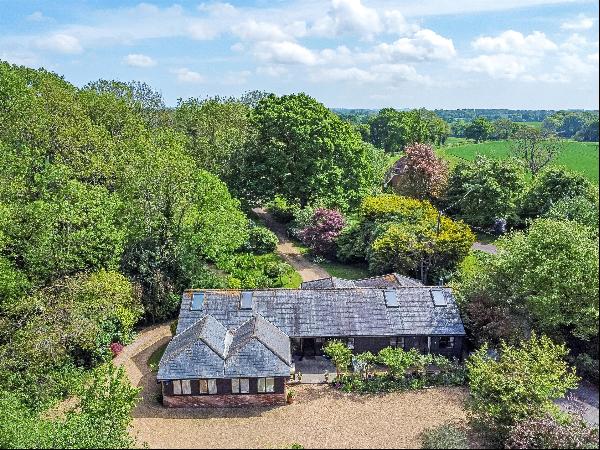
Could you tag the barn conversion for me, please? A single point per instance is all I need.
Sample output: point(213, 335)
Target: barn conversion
point(235, 347)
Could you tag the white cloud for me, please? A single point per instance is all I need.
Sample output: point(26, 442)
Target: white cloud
point(36, 16)
point(423, 45)
point(259, 31)
point(396, 23)
point(497, 66)
point(185, 75)
point(514, 42)
point(377, 74)
point(349, 17)
point(285, 53)
point(272, 70)
point(593, 58)
point(574, 43)
point(582, 22)
point(61, 43)
point(137, 60)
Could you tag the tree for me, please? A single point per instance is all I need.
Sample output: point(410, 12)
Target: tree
point(215, 128)
point(304, 152)
point(340, 354)
point(535, 148)
point(479, 129)
point(551, 186)
point(321, 233)
point(550, 272)
point(521, 384)
point(484, 190)
point(580, 209)
point(419, 173)
point(504, 129)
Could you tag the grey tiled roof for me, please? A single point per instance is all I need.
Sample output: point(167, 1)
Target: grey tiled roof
point(332, 312)
point(206, 349)
point(384, 281)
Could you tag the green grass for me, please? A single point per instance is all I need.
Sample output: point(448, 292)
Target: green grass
point(346, 271)
point(155, 358)
point(579, 157)
point(292, 282)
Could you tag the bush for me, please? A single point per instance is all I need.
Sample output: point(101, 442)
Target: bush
point(549, 432)
point(587, 367)
point(323, 230)
point(116, 348)
point(339, 353)
point(578, 209)
point(261, 241)
point(551, 186)
point(173, 327)
point(249, 271)
point(445, 436)
point(521, 384)
point(281, 209)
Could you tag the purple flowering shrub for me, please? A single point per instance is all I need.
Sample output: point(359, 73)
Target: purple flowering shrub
point(548, 432)
point(116, 348)
point(322, 231)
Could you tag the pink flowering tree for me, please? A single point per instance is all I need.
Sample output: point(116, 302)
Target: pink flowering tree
point(322, 231)
point(419, 173)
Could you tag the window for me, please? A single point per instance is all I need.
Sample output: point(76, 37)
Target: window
point(186, 387)
point(351, 343)
point(266, 385)
point(176, 387)
point(240, 385)
point(397, 342)
point(212, 386)
point(446, 342)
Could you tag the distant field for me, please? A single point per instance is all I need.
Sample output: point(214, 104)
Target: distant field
point(580, 157)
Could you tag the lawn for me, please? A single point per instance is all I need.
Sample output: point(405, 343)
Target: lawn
point(580, 157)
point(346, 271)
point(155, 358)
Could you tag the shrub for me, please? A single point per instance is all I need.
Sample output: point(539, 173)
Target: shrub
point(173, 327)
point(249, 271)
point(261, 241)
point(339, 353)
point(445, 436)
point(302, 219)
point(323, 230)
point(521, 384)
point(578, 209)
point(281, 209)
point(549, 432)
point(116, 348)
point(587, 367)
point(551, 186)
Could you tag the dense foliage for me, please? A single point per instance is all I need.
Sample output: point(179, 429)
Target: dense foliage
point(520, 384)
point(304, 152)
point(578, 125)
point(485, 190)
point(445, 436)
point(322, 231)
point(480, 129)
point(405, 235)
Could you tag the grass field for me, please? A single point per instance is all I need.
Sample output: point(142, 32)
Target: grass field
point(580, 157)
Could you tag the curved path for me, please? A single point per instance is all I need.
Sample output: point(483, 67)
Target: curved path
point(288, 251)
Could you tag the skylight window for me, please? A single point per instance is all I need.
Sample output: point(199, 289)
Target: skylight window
point(438, 297)
point(391, 299)
point(197, 301)
point(246, 300)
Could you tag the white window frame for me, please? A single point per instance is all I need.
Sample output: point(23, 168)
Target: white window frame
point(186, 387)
point(212, 386)
point(266, 385)
point(240, 385)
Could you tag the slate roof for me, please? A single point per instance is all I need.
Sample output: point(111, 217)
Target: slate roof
point(384, 281)
point(207, 349)
point(336, 312)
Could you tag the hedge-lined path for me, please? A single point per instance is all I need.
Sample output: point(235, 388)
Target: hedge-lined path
point(288, 251)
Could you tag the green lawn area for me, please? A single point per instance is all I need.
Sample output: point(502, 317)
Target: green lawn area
point(346, 271)
point(155, 358)
point(292, 282)
point(580, 157)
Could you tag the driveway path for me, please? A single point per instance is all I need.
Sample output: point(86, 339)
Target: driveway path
point(486, 248)
point(288, 251)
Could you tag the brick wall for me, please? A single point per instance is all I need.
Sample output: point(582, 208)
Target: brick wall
point(181, 401)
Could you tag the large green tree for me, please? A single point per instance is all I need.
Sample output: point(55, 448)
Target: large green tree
point(304, 152)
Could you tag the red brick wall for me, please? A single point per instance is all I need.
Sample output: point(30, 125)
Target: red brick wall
point(230, 400)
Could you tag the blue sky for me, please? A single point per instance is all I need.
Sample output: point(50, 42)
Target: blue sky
point(347, 53)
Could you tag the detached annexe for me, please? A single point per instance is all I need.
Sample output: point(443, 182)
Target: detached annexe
point(237, 347)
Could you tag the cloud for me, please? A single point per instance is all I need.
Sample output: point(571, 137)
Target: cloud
point(582, 22)
point(259, 31)
point(376, 74)
point(516, 43)
point(593, 58)
point(36, 16)
point(137, 60)
point(185, 75)
point(349, 17)
point(272, 70)
point(423, 45)
point(285, 53)
point(61, 43)
point(497, 66)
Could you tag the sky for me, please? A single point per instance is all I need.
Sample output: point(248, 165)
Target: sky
point(519, 54)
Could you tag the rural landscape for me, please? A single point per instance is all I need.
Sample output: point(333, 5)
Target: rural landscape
point(278, 268)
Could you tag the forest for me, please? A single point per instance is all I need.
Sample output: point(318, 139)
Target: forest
point(112, 203)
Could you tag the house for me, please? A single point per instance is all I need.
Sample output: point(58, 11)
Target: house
point(235, 347)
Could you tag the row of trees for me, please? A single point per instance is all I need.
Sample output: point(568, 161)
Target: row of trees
point(578, 125)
